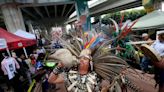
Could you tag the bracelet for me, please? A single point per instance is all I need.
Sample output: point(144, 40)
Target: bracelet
point(57, 70)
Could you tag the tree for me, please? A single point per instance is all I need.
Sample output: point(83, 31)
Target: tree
point(128, 15)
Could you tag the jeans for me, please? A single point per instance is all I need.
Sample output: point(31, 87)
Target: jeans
point(145, 62)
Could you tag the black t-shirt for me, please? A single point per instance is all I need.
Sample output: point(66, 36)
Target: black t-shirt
point(40, 42)
point(23, 67)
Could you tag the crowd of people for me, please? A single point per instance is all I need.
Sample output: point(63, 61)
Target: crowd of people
point(145, 62)
point(18, 70)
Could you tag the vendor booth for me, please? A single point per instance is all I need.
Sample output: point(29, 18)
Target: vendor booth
point(10, 41)
point(15, 42)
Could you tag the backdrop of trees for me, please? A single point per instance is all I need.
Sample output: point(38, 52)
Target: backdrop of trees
point(128, 15)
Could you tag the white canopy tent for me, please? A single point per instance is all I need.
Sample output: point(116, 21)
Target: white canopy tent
point(25, 34)
point(154, 19)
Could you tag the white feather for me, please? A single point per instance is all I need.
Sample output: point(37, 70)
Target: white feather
point(71, 86)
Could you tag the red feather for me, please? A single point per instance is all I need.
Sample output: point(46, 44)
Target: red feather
point(126, 31)
point(122, 18)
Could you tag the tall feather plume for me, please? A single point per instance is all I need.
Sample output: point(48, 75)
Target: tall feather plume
point(70, 47)
point(115, 24)
point(78, 44)
point(122, 18)
point(76, 47)
point(103, 45)
point(106, 64)
point(126, 30)
point(106, 43)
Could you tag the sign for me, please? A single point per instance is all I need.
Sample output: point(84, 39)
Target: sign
point(20, 44)
point(148, 5)
point(3, 43)
point(83, 14)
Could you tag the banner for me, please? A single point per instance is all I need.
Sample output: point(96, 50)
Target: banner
point(83, 14)
point(148, 5)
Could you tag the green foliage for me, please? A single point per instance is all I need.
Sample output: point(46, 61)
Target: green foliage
point(131, 15)
point(129, 51)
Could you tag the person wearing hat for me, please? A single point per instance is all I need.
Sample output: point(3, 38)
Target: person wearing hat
point(63, 55)
point(85, 61)
point(158, 45)
point(146, 37)
point(84, 65)
point(145, 61)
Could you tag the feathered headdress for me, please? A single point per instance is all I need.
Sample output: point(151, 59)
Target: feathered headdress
point(105, 64)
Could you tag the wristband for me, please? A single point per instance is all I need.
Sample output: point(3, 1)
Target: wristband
point(57, 70)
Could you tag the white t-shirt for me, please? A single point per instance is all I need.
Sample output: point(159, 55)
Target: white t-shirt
point(43, 41)
point(159, 47)
point(42, 50)
point(9, 66)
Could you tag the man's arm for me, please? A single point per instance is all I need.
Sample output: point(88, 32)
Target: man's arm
point(3, 68)
point(55, 76)
point(159, 64)
point(54, 79)
point(16, 64)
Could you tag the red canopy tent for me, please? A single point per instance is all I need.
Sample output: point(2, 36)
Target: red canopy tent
point(15, 42)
